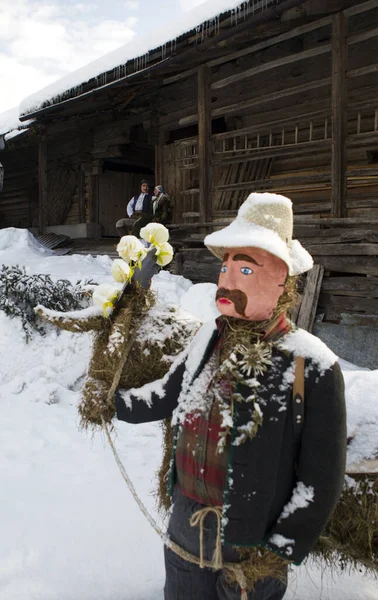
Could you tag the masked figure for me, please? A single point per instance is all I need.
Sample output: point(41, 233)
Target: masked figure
point(257, 408)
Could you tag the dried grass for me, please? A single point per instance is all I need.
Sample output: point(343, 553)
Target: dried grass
point(66, 323)
point(351, 536)
point(258, 564)
point(117, 348)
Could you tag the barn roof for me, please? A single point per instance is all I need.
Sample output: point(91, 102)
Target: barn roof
point(137, 57)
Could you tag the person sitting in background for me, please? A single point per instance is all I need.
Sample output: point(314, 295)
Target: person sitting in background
point(161, 203)
point(139, 212)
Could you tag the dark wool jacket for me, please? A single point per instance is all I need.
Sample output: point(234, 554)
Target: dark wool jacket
point(147, 203)
point(277, 495)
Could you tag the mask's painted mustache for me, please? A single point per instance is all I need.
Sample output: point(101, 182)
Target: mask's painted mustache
point(238, 297)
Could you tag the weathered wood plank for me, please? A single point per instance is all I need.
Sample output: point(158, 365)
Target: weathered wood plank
point(364, 265)
point(265, 99)
point(285, 181)
point(272, 41)
point(321, 238)
point(42, 185)
point(346, 303)
point(365, 287)
point(307, 310)
point(309, 302)
point(360, 71)
point(360, 8)
point(342, 249)
point(331, 222)
point(339, 116)
point(276, 151)
point(279, 62)
point(362, 37)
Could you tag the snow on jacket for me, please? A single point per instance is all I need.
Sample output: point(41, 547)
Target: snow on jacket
point(276, 496)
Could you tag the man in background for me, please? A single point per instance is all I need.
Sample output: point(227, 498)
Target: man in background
point(139, 212)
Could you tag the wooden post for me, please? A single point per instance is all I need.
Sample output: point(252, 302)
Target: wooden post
point(159, 162)
point(93, 199)
point(204, 141)
point(339, 116)
point(42, 185)
point(81, 194)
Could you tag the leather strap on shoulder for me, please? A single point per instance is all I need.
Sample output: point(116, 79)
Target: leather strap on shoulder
point(298, 400)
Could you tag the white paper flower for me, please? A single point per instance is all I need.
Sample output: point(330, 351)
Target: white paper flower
point(155, 233)
point(130, 248)
point(164, 254)
point(121, 271)
point(104, 295)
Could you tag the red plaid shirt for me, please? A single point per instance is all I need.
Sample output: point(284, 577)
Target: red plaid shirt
point(201, 468)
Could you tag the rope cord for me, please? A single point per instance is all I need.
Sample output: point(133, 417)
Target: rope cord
point(197, 519)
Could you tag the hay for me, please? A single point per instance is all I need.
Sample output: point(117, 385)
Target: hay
point(156, 337)
point(70, 323)
point(350, 539)
point(162, 495)
point(258, 564)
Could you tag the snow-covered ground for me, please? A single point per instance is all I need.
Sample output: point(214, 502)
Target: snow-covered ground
point(69, 526)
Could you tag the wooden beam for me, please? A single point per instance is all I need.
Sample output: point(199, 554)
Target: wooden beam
point(204, 141)
point(287, 150)
point(81, 194)
point(339, 116)
point(332, 222)
point(362, 71)
point(362, 37)
point(279, 62)
point(361, 8)
point(343, 249)
point(364, 7)
point(180, 76)
point(265, 99)
point(93, 195)
point(293, 119)
point(272, 41)
point(42, 185)
point(284, 181)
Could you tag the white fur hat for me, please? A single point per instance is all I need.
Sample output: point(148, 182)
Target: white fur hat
point(263, 221)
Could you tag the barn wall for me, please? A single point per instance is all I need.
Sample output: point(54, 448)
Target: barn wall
point(19, 198)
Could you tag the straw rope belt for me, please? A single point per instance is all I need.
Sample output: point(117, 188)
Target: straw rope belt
point(197, 519)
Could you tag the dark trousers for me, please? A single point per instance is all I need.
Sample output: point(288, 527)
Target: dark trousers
point(132, 226)
point(186, 581)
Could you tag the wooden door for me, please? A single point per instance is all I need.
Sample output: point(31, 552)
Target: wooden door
point(115, 191)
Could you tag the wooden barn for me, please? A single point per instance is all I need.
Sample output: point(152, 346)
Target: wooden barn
point(274, 95)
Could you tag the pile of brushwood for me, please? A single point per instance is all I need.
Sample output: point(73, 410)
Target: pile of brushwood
point(20, 293)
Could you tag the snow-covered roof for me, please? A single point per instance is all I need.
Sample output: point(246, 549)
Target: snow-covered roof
point(10, 124)
point(134, 56)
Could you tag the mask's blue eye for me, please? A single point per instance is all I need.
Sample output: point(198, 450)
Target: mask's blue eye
point(224, 269)
point(246, 271)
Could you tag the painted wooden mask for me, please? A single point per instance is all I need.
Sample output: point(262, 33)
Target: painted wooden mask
point(250, 284)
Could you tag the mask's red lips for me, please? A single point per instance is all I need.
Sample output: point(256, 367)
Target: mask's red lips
point(224, 301)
